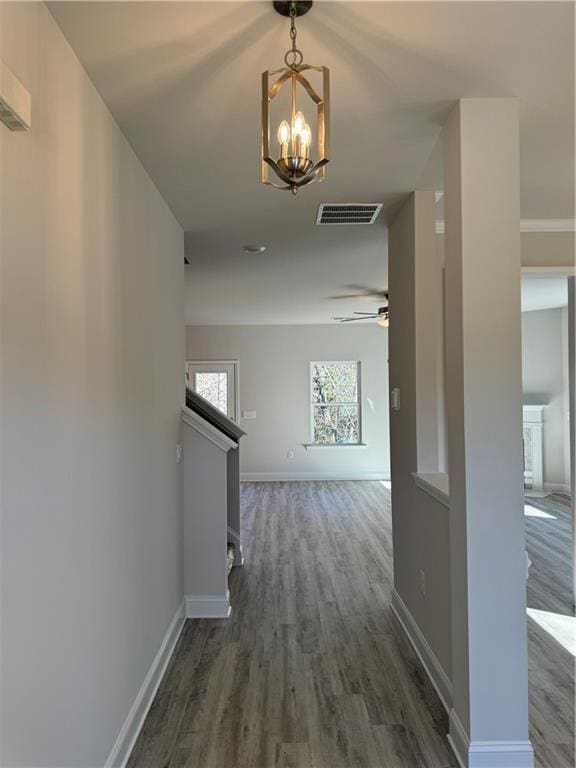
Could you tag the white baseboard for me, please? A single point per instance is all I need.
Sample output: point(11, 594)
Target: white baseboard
point(478, 754)
point(434, 669)
point(458, 739)
point(487, 754)
point(207, 606)
point(255, 477)
point(124, 744)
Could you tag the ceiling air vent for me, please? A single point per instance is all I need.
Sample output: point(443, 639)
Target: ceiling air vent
point(348, 213)
point(15, 101)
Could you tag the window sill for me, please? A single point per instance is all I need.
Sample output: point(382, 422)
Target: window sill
point(435, 485)
point(330, 446)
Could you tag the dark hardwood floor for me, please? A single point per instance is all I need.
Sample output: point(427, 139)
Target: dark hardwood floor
point(552, 665)
point(312, 669)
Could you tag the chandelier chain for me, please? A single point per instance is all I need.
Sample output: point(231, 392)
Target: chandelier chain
point(293, 57)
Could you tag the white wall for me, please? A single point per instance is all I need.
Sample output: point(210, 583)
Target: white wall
point(544, 380)
point(275, 382)
point(92, 350)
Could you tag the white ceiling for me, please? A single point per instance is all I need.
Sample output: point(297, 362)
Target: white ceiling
point(544, 293)
point(292, 282)
point(183, 81)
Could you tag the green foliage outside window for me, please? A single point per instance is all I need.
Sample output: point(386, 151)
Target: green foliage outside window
point(335, 403)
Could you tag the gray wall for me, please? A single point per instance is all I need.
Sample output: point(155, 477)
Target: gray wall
point(275, 382)
point(544, 380)
point(92, 351)
point(204, 528)
point(420, 523)
point(553, 249)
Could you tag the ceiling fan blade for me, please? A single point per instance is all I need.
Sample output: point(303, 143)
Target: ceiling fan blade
point(350, 296)
point(368, 295)
point(353, 319)
point(362, 292)
point(370, 314)
point(367, 290)
point(364, 288)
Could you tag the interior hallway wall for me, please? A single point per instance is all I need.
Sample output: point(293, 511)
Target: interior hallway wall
point(544, 368)
point(543, 249)
point(92, 355)
point(420, 522)
point(275, 382)
point(551, 249)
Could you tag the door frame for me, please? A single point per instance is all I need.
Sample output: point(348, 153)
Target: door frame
point(235, 367)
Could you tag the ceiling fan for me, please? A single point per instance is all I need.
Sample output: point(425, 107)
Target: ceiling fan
point(382, 317)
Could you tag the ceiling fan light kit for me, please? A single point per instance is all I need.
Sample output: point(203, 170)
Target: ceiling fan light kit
point(384, 319)
point(253, 248)
point(302, 153)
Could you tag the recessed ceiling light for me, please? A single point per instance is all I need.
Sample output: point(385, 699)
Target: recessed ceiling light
point(253, 248)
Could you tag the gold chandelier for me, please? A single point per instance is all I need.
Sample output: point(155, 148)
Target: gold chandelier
point(298, 144)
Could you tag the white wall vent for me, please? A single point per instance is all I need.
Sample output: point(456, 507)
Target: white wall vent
point(348, 213)
point(15, 101)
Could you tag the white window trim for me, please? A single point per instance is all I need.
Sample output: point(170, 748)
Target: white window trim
point(236, 368)
point(329, 446)
point(357, 404)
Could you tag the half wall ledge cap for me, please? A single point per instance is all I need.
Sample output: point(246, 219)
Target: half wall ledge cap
point(204, 428)
point(436, 485)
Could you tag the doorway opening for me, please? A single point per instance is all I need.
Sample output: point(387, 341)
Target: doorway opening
point(548, 427)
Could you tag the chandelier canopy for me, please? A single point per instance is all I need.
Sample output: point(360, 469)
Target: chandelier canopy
point(302, 152)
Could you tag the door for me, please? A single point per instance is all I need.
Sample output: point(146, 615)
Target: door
point(217, 382)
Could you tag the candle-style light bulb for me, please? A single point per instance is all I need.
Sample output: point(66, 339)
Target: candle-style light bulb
point(283, 132)
point(298, 123)
point(283, 138)
point(305, 140)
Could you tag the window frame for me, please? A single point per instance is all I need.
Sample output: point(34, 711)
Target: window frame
point(357, 404)
point(235, 380)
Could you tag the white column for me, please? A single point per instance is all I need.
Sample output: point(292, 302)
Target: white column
point(489, 720)
point(572, 406)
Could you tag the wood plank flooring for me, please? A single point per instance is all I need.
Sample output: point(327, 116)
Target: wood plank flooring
point(551, 666)
point(311, 670)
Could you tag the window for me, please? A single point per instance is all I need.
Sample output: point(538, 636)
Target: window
point(335, 404)
point(214, 388)
point(217, 382)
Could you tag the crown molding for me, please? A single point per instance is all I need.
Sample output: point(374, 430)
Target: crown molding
point(533, 225)
point(552, 271)
point(548, 225)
